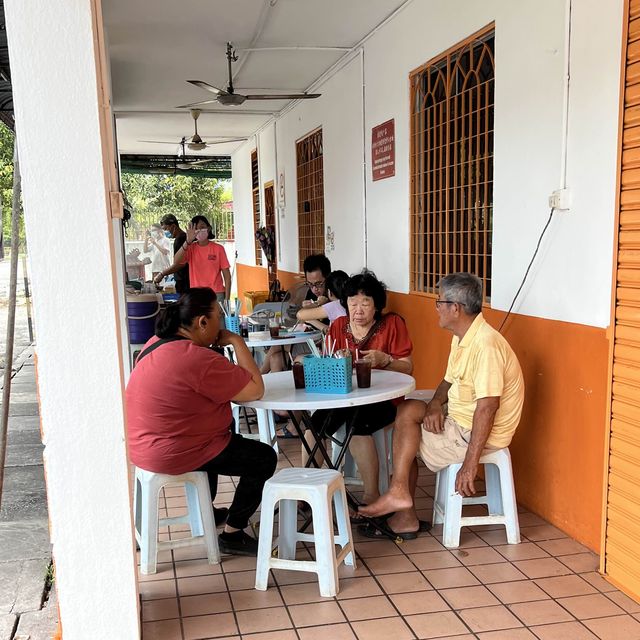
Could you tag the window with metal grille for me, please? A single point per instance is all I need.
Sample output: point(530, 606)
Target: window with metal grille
point(255, 191)
point(452, 118)
point(310, 196)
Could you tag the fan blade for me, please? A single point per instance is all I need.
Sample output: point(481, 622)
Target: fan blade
point(206, 86)
point(285, 96)
point(159, 141)
point(226, 141)
point(195, 104)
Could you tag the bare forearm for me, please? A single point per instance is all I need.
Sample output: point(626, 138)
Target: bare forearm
point(401, 365)
point(246, 361)
point(226, 277)
point(483, 418)
point(442, 393)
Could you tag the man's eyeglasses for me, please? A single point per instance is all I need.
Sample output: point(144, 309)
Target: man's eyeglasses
point(439, 302)
point(315, 285)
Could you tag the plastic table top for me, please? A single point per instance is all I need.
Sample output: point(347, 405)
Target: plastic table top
point(281, 394)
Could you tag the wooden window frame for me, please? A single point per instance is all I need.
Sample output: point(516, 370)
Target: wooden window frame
point(451, 213)
point(310, 190)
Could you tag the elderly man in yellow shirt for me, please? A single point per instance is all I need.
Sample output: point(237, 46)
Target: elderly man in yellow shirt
point(483, 392)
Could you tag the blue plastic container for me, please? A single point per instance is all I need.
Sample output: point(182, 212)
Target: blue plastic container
point(232, 323)
point(141, 315)
point(327, 375)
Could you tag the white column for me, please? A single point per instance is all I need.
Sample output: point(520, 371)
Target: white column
point(67, 159)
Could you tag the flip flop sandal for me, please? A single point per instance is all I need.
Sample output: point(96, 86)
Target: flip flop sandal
point(285, 433)
point(382, 530)
point(358, 518)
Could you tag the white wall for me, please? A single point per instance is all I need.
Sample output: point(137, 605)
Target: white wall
point(571, 278)
point(79, 367)
point(242, 202)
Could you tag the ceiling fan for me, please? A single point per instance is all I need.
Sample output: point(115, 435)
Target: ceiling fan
point(230, 97)
point(195, 143)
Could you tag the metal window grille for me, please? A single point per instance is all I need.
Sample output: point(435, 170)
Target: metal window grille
point(310, 196)
point(452, 122)
point(270, 221)
point(255, 186)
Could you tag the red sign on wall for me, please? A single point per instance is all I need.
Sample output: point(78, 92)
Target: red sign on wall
point(383, 150)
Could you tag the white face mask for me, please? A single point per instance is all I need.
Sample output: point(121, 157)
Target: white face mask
point(202, 234)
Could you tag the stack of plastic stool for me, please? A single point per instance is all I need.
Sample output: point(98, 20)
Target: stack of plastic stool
point(320, 488)
point(199, 516)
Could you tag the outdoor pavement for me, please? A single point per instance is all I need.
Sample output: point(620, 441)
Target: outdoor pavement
point(27, 605)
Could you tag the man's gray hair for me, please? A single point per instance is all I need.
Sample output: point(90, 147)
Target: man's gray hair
point(463, 288)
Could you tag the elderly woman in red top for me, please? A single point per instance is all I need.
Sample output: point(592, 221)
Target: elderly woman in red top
point(382, 339)
point(179, 414)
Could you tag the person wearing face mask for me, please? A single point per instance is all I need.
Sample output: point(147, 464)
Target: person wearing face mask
point(171, 228)
point(208, 263)
point(159, 247)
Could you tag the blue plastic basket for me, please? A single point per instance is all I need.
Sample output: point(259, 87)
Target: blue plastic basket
point(232, 323)
point(327, 375)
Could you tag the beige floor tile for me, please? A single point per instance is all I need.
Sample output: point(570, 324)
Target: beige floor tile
point(258, 620)
point(422, 544)
point(489, 619)
point(436, 625)
point(512, 592)
point(596, 580)
point(447, 578)
point(153, 610)
point(494, 536)
point(522, 551)
point(238, 563)
point(542, 568)
point(469, 597)
point(501, 572)
point(158, 589)
point(542, 532)
point(283, 634)
point(190, 568)
point(358, 588)
point(404, 582)
point(190, 553)
point(564, 631)
point(614, 628)
point(211, 626)
point(317, 613)
point(205, 604)
point(562, 547)
point(377, 549)
point(198, 585)
point(595, 605)
point(389, 564)
point(164, 630)
point(302, 593)
point(541, 612)
point(419, 602)
point(581, 562)
point(254, 599)
point(283, 576)
point(383, 629)
point(326, 632)
point(565, 586)
point(469, 539)
point(507, 634)
point(629, 605)
point(477, 555)
point(164, 571)
point(435, 560)
point(239, 580)
point(367, 608)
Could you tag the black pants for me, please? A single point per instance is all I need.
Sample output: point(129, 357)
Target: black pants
point(371, 417)
point(255, 463)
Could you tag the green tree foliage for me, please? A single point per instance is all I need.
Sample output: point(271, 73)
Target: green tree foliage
point(153, 195)
point(6, 182)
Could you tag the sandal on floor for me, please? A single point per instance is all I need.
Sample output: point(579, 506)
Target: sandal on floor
point(383, 530)
point(285, 433)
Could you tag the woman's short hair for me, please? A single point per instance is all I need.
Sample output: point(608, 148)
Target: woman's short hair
point(463, 288)
point(192, 304)
point(367, 284)
point(196, 219)
point(335, 283)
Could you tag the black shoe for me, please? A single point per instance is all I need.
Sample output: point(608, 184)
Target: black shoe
point(238, 544)
point(220, 515)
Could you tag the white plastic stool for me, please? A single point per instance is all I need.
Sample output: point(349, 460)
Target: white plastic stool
point(317, 487)
point(266, 426)
point(199, 516)
point(500, 498)
point(383, 439)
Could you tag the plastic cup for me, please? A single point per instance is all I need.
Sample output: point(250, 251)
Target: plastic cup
point(274, 328)
point(298, 375)
point(363, 373)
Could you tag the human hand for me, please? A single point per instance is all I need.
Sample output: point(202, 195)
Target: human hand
point(191, 232)
point(226, 338)
point(378, 359)
point(465, 479)
point(322, 300)
point(307, 303)
point(158, 278)
point(434, 418)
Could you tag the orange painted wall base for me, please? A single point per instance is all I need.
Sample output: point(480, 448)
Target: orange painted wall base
point(558, 450)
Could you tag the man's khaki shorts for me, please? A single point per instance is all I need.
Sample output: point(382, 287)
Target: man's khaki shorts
point(439, 450)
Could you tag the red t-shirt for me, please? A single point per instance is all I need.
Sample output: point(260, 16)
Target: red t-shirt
point(178, 411)
point(206, 264)
point(390, 336)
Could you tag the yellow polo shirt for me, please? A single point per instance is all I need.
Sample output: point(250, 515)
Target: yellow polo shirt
point(483, 365)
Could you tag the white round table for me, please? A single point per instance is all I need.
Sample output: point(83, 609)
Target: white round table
point(282, 395)
point(309, 337)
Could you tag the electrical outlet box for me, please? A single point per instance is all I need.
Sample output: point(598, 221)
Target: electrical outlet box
point(560, 200)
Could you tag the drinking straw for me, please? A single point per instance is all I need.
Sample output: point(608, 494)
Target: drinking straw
point(333, 348)
point(357, 357)
point(291, 358)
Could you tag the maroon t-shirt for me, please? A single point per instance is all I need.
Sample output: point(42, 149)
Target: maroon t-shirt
point(178, 411)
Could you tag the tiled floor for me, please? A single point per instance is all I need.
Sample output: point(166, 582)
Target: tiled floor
point(547, 587)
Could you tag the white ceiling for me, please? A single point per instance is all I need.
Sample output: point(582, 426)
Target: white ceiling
point(156, 46)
